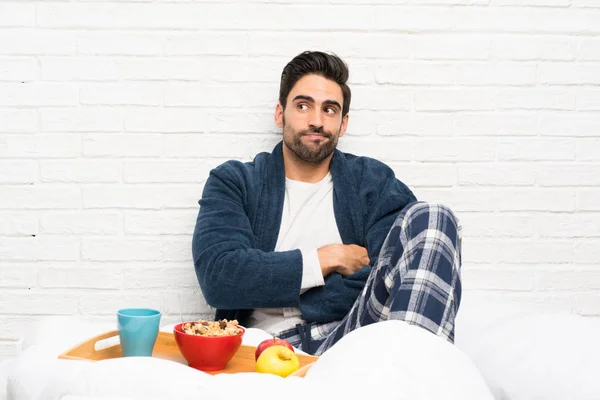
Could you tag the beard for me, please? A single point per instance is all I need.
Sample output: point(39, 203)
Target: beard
point(313, 152)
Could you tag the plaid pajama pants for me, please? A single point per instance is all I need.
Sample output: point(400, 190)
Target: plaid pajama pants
point(416, 279)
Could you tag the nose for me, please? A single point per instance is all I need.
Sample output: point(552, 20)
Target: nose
point(315, 121)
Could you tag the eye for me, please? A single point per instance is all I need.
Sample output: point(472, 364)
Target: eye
point(302, 106)
point(330, 110)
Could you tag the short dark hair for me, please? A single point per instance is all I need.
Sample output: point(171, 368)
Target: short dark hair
point(328, 66)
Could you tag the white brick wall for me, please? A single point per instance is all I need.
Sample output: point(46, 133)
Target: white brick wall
point(113, 112)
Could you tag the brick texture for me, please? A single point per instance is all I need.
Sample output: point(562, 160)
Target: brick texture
point(112, 114)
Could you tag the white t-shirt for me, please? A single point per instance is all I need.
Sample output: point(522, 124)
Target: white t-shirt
point(307, 223)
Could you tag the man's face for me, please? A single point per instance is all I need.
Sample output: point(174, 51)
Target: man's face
point(312, 120)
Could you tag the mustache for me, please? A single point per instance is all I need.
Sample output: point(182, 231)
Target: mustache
point(319, 131)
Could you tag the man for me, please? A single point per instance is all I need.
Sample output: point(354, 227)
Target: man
point(309, 243)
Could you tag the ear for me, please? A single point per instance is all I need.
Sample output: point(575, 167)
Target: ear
point(279, 116)
point(344, 125)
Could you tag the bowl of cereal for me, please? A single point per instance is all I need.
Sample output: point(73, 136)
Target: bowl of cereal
point(208, 345)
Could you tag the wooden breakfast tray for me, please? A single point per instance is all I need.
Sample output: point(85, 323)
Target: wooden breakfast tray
point(166, 348)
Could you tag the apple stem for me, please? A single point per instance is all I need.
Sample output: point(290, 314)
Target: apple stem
point(283, 356)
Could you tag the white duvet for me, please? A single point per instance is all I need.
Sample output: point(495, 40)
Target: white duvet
point(391, 358)
point(520, 357)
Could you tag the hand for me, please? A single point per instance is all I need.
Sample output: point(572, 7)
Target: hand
point(345, 259)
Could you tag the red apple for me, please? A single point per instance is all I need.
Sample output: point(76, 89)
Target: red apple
point(271, 342)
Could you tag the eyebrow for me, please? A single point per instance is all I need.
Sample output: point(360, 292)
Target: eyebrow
point(310, 99)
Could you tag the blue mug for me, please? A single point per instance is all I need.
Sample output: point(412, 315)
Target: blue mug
point(138, 330)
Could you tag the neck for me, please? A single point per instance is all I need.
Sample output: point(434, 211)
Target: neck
point(299, 170)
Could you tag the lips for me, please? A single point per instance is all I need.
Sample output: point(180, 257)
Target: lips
point(315, 136)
